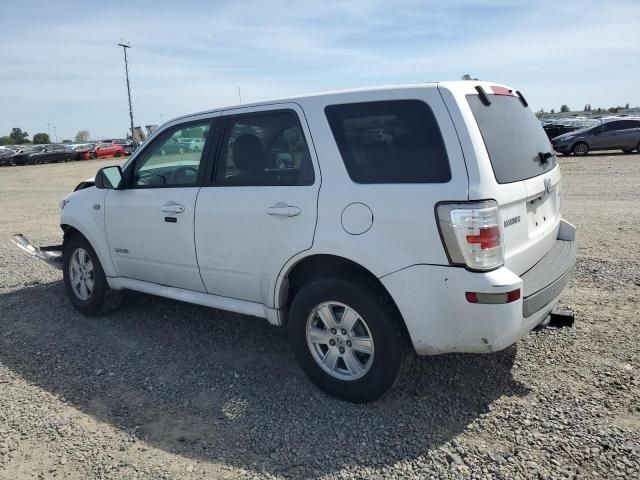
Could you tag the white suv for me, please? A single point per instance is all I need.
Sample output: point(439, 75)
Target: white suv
point(441, 233)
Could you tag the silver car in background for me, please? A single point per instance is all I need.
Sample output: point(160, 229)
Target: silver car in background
point(622, 134)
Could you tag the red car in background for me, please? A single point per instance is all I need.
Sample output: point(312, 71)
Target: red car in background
point(106, 150)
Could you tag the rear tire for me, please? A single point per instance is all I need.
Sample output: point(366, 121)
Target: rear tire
point(627, 150)
point(580, 148)
point(118, 154)
point(359, 362)
point(84, 279)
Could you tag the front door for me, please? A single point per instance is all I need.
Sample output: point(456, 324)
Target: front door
point(150, 222)
point(260, 209)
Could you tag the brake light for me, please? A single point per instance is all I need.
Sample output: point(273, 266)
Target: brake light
point(502, 91)
point(489, 237)
point(472, 234)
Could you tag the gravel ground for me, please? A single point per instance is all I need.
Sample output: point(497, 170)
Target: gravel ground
point(163, 389)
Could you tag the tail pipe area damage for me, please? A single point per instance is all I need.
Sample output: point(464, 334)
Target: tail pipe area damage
point(51, 254)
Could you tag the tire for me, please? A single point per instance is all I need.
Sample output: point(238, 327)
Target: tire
point(627, 150)
point(377, 328)
point(100, 298)
point(118, 154)
point(580, 148)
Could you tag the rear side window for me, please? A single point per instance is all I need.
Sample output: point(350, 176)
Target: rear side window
point(265, 149)
point(394, 141)
point(515, 140)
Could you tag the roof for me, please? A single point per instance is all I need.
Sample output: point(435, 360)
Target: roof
point(329, 93)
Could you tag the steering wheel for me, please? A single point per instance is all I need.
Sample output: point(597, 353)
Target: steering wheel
point(183, 175)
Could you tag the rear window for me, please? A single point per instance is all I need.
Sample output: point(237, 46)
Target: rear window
point(514, 138)
point(390, 142)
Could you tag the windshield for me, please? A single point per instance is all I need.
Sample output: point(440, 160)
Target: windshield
point(514, 138)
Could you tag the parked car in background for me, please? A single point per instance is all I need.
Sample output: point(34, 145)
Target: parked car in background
point(108, 150)
point(83, 151)
point(128, 145)
point(192, 144)
point(51, 153)
point(5, 154)
point(612, 135)
point(172, 146)
point(22, 155)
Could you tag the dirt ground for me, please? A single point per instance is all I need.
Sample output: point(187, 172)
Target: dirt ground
point(162, 389)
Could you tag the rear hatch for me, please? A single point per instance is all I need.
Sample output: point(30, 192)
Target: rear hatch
point(516, 166)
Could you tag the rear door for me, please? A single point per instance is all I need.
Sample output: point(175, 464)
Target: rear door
point(257, 212)
point(514, 163)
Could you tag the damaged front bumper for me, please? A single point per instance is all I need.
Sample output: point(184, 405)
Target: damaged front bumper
point(50, 254)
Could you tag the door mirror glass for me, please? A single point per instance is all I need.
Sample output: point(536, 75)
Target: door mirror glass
point(109, 178)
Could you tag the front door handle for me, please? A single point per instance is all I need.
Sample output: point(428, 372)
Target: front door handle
point(172, 207)
point(281, 209)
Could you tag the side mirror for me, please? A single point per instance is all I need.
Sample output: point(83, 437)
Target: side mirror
point(109, 178)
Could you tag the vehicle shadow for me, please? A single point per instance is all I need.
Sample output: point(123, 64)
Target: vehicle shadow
point(220, 387)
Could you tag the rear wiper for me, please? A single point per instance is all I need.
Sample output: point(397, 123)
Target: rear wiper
point(544, 157)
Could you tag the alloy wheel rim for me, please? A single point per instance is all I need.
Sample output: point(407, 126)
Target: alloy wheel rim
point(340, 341)
point(581, 148)
point(81, 274)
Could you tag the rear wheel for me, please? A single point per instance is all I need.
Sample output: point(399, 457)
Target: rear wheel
point(118, 154)
point(580, 148)
point(347, 337)
point(627, 150)
point(84, 279)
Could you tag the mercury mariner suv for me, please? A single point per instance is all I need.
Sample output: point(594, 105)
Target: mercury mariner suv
point(373, 223)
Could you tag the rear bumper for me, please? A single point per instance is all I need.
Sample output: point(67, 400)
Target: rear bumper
point(439, 319)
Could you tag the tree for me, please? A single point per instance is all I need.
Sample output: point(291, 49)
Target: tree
point(18, 136)
point(626, 105)
point(564, 108)
point(82, 136)
point(6, 140)
point(41, 138)
point(466, 76)
point(552, 111)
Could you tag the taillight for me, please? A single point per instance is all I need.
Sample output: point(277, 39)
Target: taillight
point(472, 234)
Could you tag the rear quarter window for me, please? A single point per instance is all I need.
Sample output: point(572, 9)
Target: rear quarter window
point(396, 141)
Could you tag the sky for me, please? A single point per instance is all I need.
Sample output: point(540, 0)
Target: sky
point(60, 63)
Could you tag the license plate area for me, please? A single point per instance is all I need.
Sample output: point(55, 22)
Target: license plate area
point(542, 212)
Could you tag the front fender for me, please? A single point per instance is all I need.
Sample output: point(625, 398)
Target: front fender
point(84, 211)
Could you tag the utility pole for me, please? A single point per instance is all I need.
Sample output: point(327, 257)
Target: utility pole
point(126, 71)
point(239, 95)
point(55, 133)
point(49, 131)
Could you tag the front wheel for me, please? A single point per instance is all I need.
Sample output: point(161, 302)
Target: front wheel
point(627, 150)
point(118, 154)
point(580, 148)
point(84, 279)
point(347, 337)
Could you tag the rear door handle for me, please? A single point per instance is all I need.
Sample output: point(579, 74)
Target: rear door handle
point(281, 209)
point(172, 207)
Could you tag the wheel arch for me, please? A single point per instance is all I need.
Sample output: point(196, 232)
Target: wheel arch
point(321, 265)
point(70, 230)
